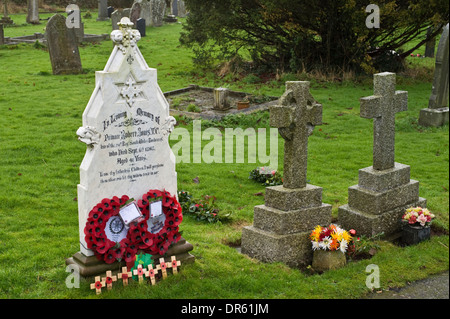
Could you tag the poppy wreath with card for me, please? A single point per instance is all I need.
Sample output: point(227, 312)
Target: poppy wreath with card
point(168, 233)
point(138, 236)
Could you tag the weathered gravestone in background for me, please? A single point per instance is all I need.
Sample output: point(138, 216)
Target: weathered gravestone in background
point(135, 12)
point(181, 9)
point(33, 12)
point(126, 125)
point(437, 113)
point(116, 16)
point(62, 46)
point(102, 10)
point(281, 227)
point(74, 21)
point(158, 8)
point(110, 11)
point(384, 190)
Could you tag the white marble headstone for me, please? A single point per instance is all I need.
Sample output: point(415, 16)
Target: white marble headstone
point(126, 125)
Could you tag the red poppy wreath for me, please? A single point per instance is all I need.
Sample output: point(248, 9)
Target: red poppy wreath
point(109, 238)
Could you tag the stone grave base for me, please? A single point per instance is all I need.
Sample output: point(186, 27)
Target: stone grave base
point(379, 201)
point(370, 225)
point(91, 266)
point(293, 249)
point(281, 227)
point(434, 117)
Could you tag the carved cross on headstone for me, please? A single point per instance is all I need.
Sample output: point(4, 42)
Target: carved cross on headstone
point(295, 117)
point(382, 107)
point(130, 91)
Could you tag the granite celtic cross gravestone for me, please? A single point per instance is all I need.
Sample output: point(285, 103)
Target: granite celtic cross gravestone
point(437, 113)
point(281, 227)
point(384, 190)
point(126, 125)
point(62, 46)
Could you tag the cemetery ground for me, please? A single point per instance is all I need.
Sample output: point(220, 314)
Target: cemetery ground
point(40, 158)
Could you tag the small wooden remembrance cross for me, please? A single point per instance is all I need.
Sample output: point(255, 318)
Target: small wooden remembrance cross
point(140, 272)
point(125, 275)
point(163, 267)
point(295, 117)
point(151, 273)
point(175, 264)
point(98, 285)
point(109, 279)
point(382, 107)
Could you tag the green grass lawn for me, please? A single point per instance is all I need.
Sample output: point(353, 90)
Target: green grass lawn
point(40, 156)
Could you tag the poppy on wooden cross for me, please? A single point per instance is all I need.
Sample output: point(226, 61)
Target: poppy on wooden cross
point(109, 279)
point(98, 285)
point(175, 264)
point(163, 267)
point(140, 272)
point(125, 275)
point(151, 273)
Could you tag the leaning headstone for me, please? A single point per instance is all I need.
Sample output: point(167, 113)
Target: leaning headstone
point(102, 10)
point(385, 190)
point(437, 113)
point(140, 26)
point(116, 16)
point(6, 19)
point(135, 12)
point(33, 12)
point(126, 127)
point(158, 10)
point(62, 46)
point(281, 227)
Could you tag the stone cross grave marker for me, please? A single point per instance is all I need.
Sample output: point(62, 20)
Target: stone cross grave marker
point(295, 118)
point(6, 19)
point(437, 113)
point(382, 107)
point(33, 12)
point(62, 46)
point(281, 227)
point(126, 126)
point(384, 190)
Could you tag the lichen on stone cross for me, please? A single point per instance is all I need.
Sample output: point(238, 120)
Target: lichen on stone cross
point(295, 117)
point(382, 107)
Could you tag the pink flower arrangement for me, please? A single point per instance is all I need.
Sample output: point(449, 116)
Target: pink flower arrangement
point(418, 216)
